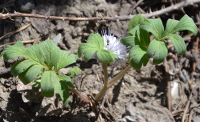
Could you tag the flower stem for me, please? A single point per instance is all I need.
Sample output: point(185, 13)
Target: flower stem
point(111, 82)
point(105, 87)
point(120, 75)
point(100, 94)
point(105, 72)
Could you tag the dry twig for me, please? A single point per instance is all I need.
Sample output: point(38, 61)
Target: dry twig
point(186, 108)
point(11, 43)
point(169, 101)
point(15, 31)
point(116, 18)
point(190, 116)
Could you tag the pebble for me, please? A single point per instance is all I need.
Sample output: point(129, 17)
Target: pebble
point(25, 5)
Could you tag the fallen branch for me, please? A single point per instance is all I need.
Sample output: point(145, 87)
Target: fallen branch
point(116, 18)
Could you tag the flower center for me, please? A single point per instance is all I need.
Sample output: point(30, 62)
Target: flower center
point(108, 41)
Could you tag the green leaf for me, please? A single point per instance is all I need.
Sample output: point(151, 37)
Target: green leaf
point(30, 74)
point(142, 38)
point(94, 43)
point(61, 87)
point(186, 23)
point(88, 50)
point(128, 41)
point(48, 81)
point(20, 66)
point(139, 37)
point(154, 26)
point(106, 56)
point(170, 26)
point(50, 53)
point(95, 46)
point(65, 59)
point(73, 72)
point(45, 54)
point(96, 40)
point(133, 31)
point(139, 57)
point(178, 43)
point(136, 20)
point(16, 50)
point(158, 50)
point(66, 78)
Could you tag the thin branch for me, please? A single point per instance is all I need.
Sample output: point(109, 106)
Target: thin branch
point(169, 97)
point(15, 31)
point(172, 8)
point(186, 108)
point(116, 18)
point(11, 43)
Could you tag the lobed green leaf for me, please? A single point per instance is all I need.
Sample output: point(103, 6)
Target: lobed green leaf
point(139, 57)
point(94, 43)
point(50, 53)
point(136, 20)
point(106, 56)
point(154, 26)
point(158, 50)
point(30, 73)
point(178, 43)
point(65, 58)
point(20, 66)
point(16, 50)
point(139, 37)
point(61, 87)
point(128, 41)
point(88, 50)
point(186, 23)
point(73, 71)
point(170, 26)
point(95, 47)
point(142, 38)
point(48, 81)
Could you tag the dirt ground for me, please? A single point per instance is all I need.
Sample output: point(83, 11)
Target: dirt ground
point(140, 96)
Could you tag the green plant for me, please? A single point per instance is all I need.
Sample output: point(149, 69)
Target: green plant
point(141, 47)
point(42, 62)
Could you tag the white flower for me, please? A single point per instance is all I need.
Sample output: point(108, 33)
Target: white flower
point(113, 44)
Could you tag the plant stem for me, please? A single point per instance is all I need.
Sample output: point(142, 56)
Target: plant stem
point(105, 87)
point(100, 94)
point(111, 82)
point(120, 75)
point(105, 72)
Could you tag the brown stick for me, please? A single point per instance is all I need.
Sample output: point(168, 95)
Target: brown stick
point(116, 18)
point(190, 116)
point(169, 103)
point(15, 31)
point(186, 108)
point(83, 97)
point(11, 43)
point(177, 112)
point(196, 52)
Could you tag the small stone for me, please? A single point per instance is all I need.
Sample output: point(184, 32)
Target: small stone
point(25, 5)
